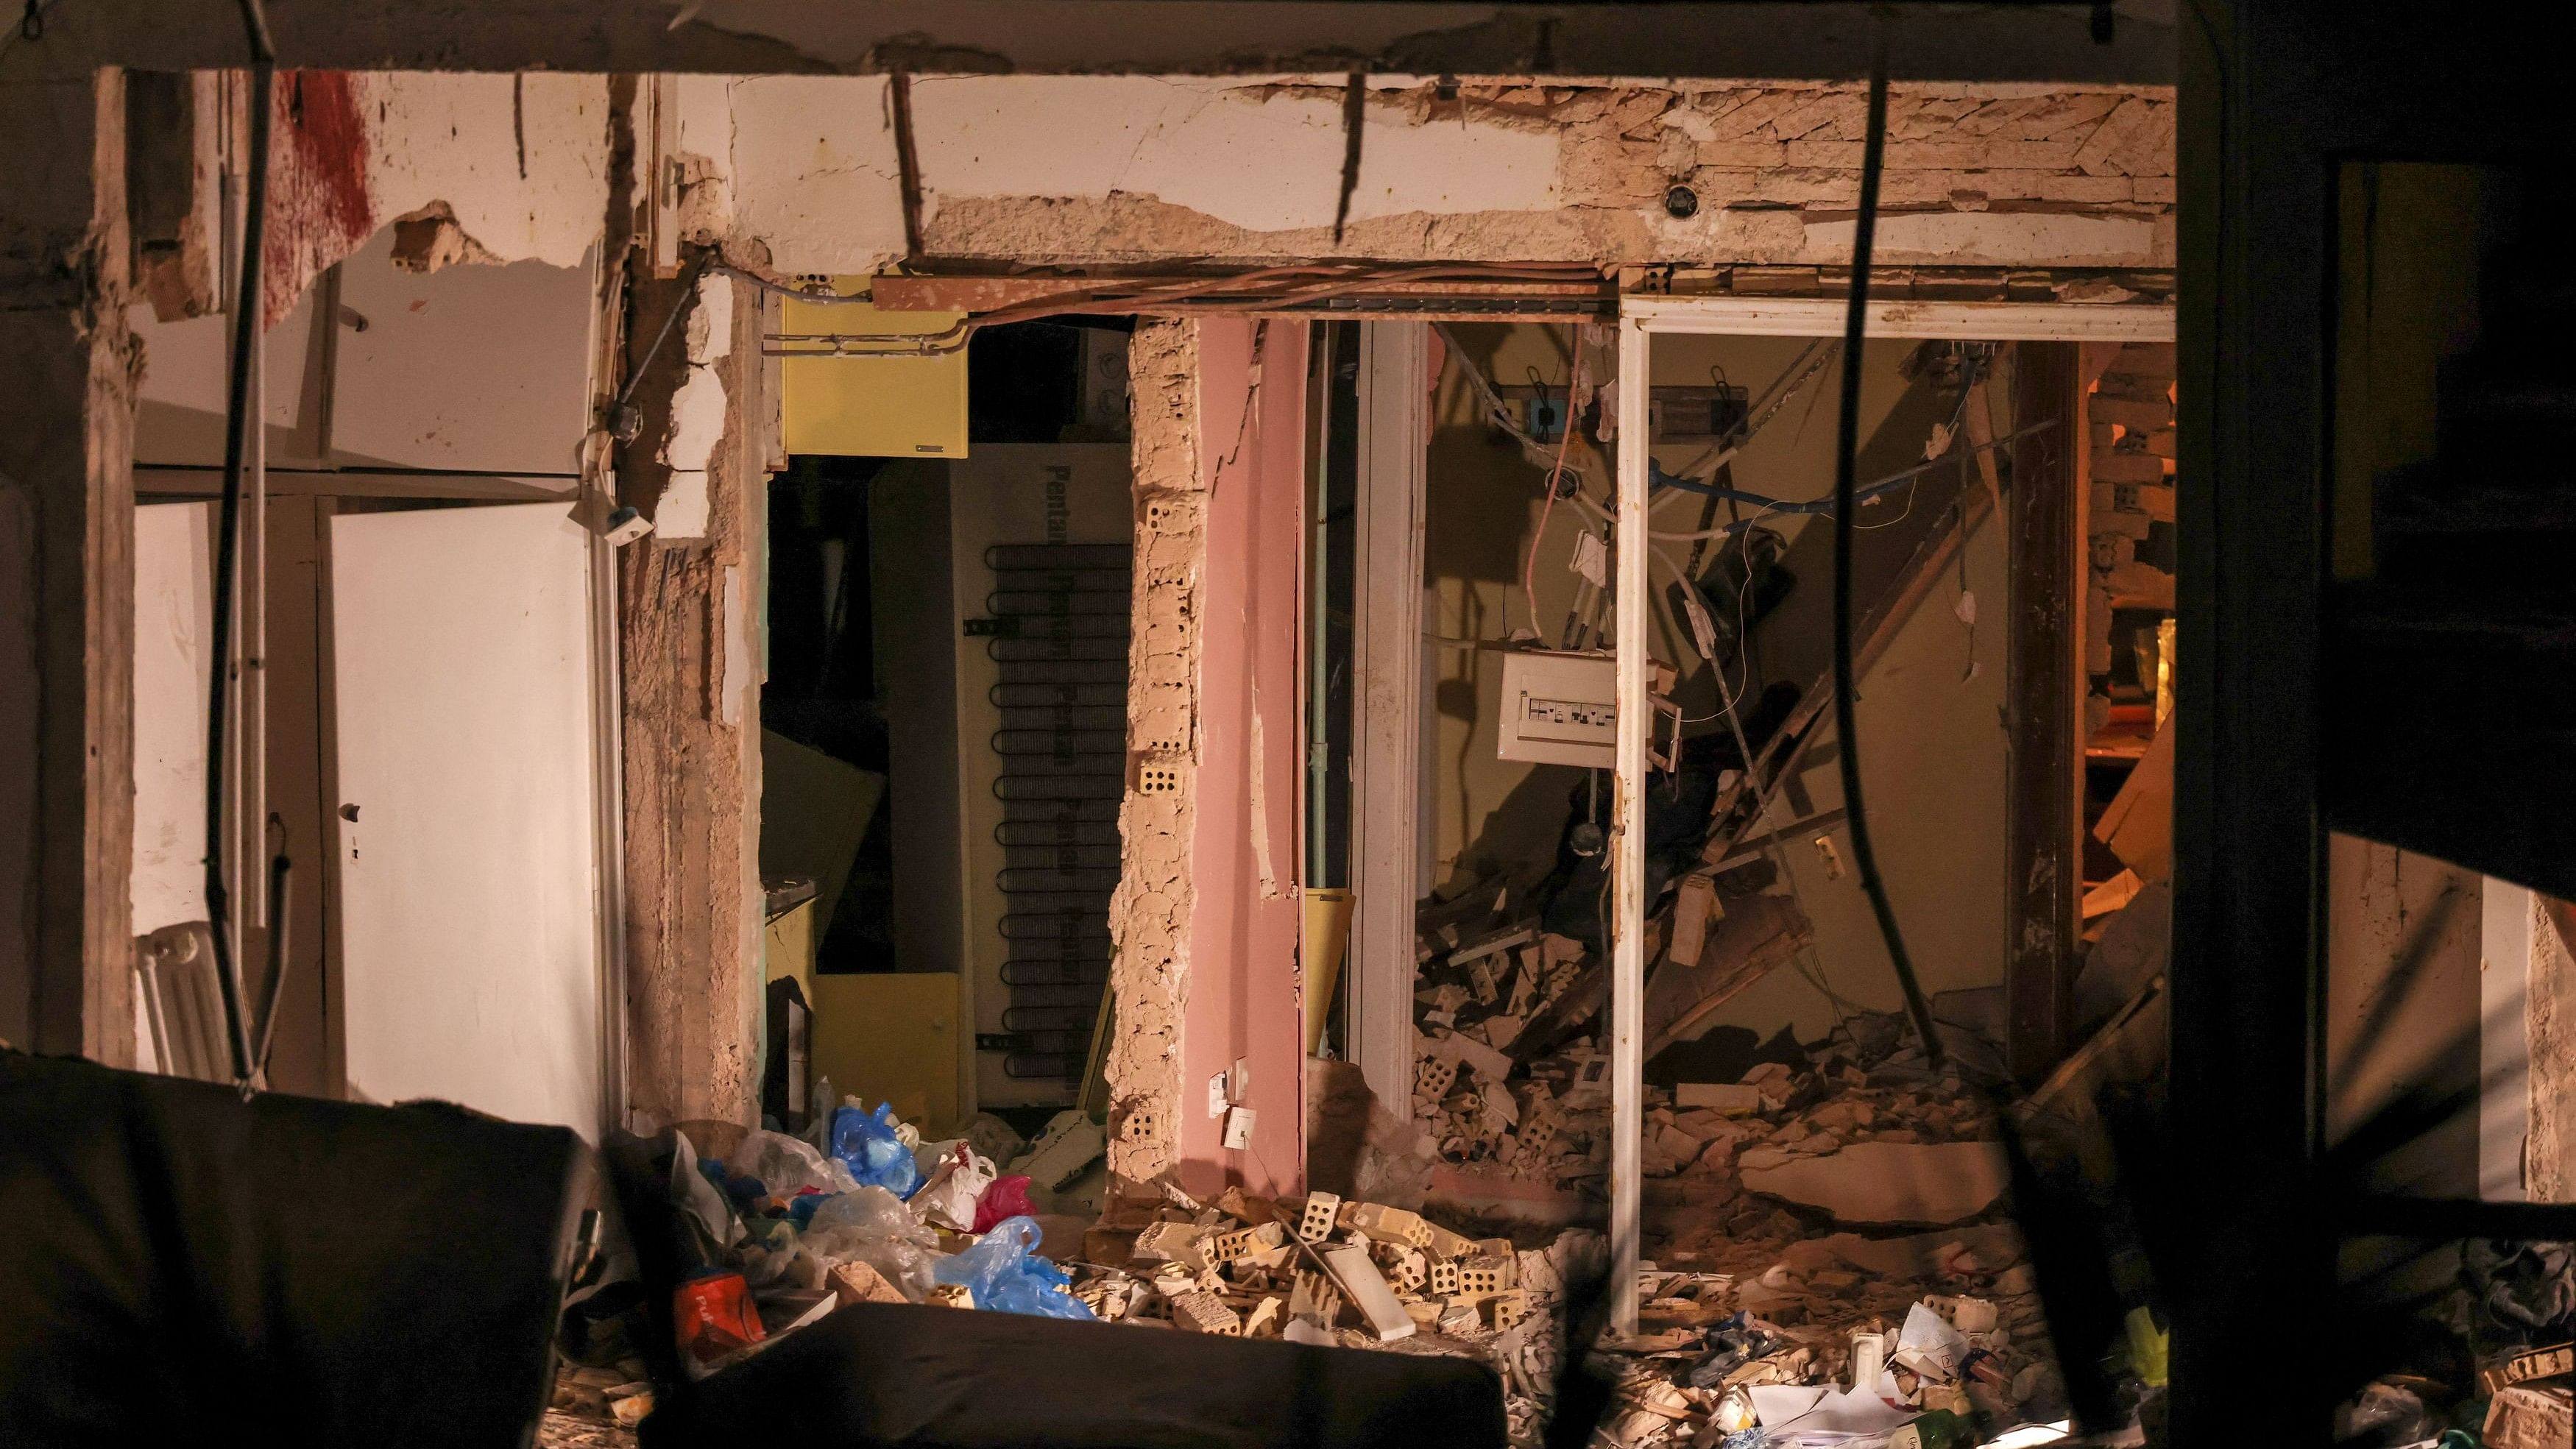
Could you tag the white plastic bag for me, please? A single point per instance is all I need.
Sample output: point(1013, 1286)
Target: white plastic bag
point(957, 1183)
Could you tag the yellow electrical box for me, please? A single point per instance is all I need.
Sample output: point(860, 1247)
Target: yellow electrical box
point(891, 1036)
point(867, 399)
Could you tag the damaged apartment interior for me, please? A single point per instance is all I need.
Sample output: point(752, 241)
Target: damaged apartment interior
point(1754, 726)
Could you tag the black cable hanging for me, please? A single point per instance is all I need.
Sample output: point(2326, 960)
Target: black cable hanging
point(246, 309)
point(1846, 467)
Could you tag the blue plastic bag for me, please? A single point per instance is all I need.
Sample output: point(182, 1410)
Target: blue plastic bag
point(1006, 1276)
point(869, 1146)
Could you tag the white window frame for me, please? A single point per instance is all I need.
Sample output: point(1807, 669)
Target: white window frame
point(1641, 320)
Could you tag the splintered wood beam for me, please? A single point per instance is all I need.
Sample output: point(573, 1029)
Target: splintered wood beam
point(2044, 694)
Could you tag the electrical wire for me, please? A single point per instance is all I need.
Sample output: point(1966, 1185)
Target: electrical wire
point(1565, 439)
point(1802, 369)
point(682, 300)
point(247, 304)
point(1846, 467)
point(1866, 491)
point(820, 298)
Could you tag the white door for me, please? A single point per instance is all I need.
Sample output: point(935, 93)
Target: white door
point(461, 690)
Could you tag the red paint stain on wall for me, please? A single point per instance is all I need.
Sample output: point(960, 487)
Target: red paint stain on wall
point(319, 207)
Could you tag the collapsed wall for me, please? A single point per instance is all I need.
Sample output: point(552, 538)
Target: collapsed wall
point(1149, 915)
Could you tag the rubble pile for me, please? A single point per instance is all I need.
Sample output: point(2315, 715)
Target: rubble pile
point(1546, 1120)
point(1320, 1270)
point(1764, 1212)
point(1749, 1318)
point(1784, 1206)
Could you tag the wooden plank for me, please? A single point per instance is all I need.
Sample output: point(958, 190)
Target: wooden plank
point(1627, 923)
point(2044, 848)
point(1738, 316)
point(68, 362)
point(1755, 936)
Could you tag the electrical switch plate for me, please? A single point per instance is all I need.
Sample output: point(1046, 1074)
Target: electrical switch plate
point(1217, 1100)
point(1238, 1084)
point(1560, 708)
point(1238, 1129)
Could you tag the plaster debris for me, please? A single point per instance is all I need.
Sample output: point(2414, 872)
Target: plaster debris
point(1891, 1182)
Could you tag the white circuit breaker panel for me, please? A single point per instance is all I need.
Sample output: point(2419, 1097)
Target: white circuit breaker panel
point(1560, 708)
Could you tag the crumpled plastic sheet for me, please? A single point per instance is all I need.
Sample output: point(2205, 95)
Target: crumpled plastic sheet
point(1005, 1273)
point(785, 1165)
point(870, 1225)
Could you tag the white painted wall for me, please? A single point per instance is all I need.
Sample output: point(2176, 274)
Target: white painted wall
point(2507, 934)
point(472, 368)
point(520, 160)
point(462, 697)
point(467, 369)
point(173, 614)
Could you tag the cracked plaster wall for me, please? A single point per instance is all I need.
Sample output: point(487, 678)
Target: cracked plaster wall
point(497, 168)
point(1113, 169)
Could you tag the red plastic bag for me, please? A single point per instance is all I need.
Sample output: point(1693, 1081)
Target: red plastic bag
point(1008, 1197)
point(713, 1316)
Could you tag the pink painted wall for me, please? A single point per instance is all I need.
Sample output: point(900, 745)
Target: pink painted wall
point(1242, 1000)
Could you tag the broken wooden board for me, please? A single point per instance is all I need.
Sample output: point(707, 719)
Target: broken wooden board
point(1892, 1182)
point(2138, 824)
point(858, 1282)
point(1756, 935)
